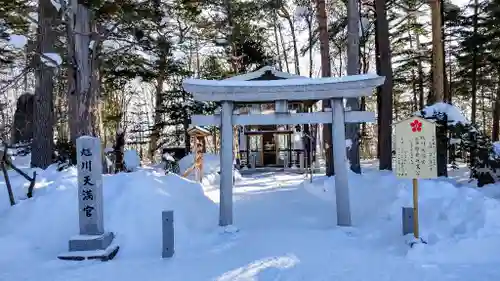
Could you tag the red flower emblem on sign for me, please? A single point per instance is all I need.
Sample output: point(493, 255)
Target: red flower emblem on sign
point(416, 126)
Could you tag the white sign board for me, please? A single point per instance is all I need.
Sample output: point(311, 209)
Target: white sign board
point(416, 149)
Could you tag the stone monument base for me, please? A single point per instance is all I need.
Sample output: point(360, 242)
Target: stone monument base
point(104, 255)
point(100, 247)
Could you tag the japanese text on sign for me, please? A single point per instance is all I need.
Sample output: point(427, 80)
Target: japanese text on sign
point(416, 149)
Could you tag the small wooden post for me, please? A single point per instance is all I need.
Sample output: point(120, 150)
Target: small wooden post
point(7, 182)
point(415, 208)
point(3, 163)
point(199, 157)
point(168, 234)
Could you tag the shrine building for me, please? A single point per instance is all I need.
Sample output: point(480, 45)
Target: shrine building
point(278, 146)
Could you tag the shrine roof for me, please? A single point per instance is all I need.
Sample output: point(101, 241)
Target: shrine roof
point(199, 130)
point(266, 73)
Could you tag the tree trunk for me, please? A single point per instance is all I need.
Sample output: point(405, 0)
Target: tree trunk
point(72, 96)
point(96, 86)
point(496, 115)
point(276, 40)
point(26, 64)
point(438, 85)
point(353, 50)
point(283, 45)
point(157, 126)
point(43, 110)
point(413, 78)
point(437, 53)
point(84, 101)
point(159, 100)
point(483, 111)
point(310, 43)
point(295, 48)
point(61, 125)
point(365, 66)
point(190, 55)
point(119, 148)
point(450, 82)
point(326, 71)
point(283, 12)
point(385, 113)
point(230, 24)
point(474, 66)
point(341, 65)
point(473, 114)
point(198, 63)
point(420, 70)
point(187, 138)
point(446, 90)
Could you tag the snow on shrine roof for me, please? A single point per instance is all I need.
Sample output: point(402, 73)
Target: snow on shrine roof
point(290, 89)
point(260, 72)
point(197, 129)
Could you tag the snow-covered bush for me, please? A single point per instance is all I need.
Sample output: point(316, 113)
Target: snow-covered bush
point(485, 165)
point(131, 160)
point(170, 164)
point(465, 138)
point(21, 148)
point(64, 155)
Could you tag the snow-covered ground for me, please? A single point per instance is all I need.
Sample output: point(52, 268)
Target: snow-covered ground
point(286, 229)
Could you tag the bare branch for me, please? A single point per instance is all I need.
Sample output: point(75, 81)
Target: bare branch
point(16, 79)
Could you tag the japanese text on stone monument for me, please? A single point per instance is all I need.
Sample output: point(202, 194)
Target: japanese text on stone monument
point(415, 143)
point(89, 185)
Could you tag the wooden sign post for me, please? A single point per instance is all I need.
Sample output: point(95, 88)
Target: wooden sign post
point(416, 156)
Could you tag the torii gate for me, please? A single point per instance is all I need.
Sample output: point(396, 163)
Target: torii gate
point(335, 89)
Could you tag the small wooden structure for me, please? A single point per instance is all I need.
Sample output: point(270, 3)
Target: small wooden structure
point(198, 140)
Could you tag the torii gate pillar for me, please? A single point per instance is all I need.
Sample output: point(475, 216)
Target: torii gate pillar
point(226, 165)
point(339, 154)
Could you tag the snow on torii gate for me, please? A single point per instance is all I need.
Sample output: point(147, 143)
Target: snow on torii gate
point(227, 92)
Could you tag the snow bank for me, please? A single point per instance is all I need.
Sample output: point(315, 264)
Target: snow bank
point(39, 228)
point(211, 167)
point(131, 160)
point(18, 41)
point(51, 59)
point(20, 184)
point(496, 148)
point(302, 11)
point(450, 217)
point(56, 4)
point(454, 113)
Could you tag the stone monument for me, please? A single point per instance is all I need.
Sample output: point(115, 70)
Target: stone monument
point(93, 242)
